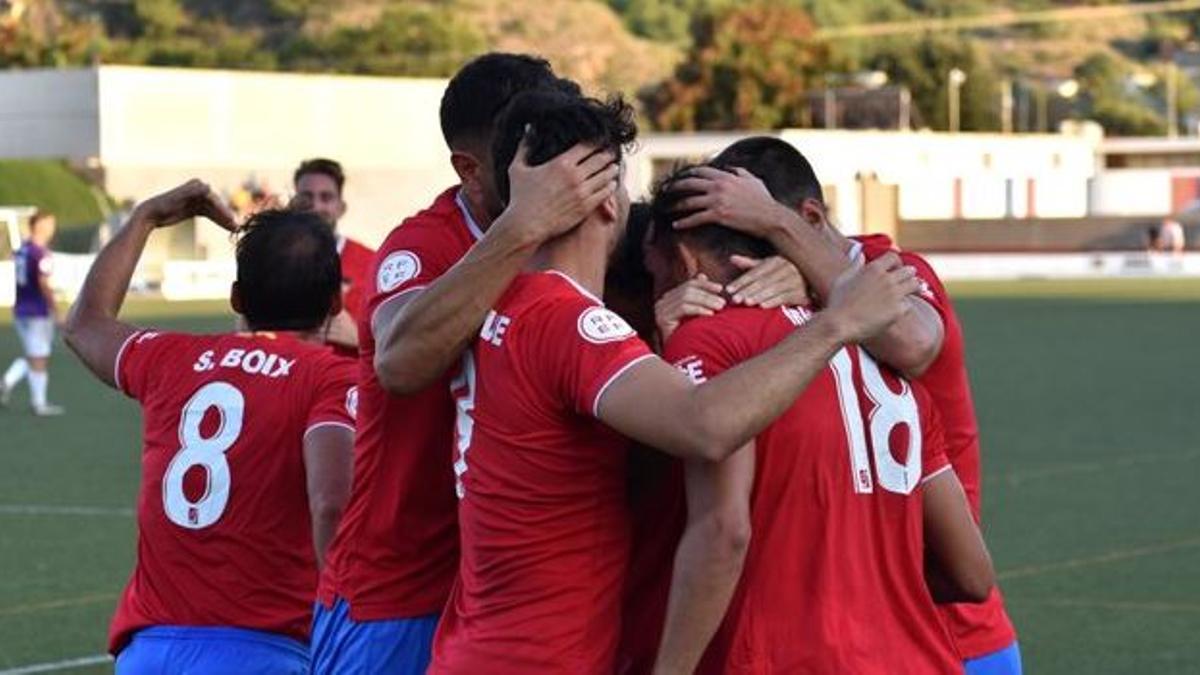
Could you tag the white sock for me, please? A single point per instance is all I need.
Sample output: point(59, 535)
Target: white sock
point(18, 369)
point(37, 387)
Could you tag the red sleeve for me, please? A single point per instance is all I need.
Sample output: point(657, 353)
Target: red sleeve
point(932, 290)
point(412, 257)
point(140, 357)
point(335, 396)
point(933, 437)
point(585, 347)
point(705, 347)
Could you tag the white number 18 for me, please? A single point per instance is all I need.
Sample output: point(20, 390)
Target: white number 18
point(890, 410)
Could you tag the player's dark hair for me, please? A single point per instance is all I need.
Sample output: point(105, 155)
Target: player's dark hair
point(628, 286)
point(288, 270)
point(552, 122)
point(322, 166)
point(787, 174)
point(717, 240)
point(483, 87)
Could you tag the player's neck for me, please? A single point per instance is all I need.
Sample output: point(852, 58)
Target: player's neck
point(581, 254)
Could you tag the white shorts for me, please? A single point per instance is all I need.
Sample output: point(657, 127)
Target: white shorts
point(37, 335)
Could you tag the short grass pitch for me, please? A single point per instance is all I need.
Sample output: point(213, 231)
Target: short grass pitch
point(1090, 451)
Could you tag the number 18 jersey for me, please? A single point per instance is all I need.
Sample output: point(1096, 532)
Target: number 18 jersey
point(224, 533)
point(834, 577)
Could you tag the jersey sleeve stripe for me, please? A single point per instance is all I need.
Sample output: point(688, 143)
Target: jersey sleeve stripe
point(937, 473)
point(608, 383)
point(120, 354)
point(318, 425)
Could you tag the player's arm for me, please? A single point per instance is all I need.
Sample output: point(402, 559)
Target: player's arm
point(419, 337)
point(709, 560)
point(92, 329)
point(655, 404)
point(740, 200)
point(328, 468)
point(47, 292)
point(958, 567)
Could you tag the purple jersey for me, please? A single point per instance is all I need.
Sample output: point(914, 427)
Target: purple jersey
point(31, 261)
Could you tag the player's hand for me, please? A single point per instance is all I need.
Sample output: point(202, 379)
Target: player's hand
point(736, 199)
point(551, 198)
point(768, 283)
point(695, 297)
point(865, 301)
point(193, 198)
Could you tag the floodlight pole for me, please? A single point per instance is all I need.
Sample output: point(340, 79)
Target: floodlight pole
point(955, 80)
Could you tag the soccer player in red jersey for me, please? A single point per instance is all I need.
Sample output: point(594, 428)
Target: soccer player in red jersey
point(550, 385)
point(393, 561)
point(319, 184)
point(247, 445)
point(826, 516)
point(927, 345)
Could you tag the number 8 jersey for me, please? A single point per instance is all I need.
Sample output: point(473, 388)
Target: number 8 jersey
point(224, 534)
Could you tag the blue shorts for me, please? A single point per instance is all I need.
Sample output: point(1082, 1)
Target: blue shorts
point(343, 646)
point(1007, 661)
point(211, 650)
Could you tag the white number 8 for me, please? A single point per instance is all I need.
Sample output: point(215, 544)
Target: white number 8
point(208, 453)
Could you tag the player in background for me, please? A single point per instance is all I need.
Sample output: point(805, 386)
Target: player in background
point(247, 445)
point(319, 184)
point(763, 568)
point(541, 477)
point(927, 346)
point(35, 316)
point(396, 552)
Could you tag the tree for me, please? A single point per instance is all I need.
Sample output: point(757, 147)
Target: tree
point(748, 68)
point(924, 68)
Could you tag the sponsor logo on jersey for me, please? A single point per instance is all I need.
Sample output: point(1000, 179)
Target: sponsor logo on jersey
point(396, 269)
point(600, 325)
point(693, 367)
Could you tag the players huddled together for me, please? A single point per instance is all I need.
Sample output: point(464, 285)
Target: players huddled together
point(547, 430)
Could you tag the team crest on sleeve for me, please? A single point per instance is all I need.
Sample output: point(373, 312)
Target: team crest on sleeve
point(396, 269)
point(600, 324)
point(352, 402)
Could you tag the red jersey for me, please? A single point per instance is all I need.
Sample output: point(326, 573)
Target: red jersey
point(396, 548)
point(356, 275)
point(224, 534)
point(834, 578)
point(983, 628)
point(545, 526)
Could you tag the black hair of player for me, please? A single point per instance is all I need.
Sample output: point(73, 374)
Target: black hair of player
point(324, 167)
point(718, 241)
point(628, 286)
point(484, 86)
point(288, 270)
point(553, 122)
point(788, 175)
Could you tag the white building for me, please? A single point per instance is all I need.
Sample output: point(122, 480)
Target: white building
point(146, 129)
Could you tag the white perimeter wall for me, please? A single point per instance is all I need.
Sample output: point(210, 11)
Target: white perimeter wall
point(49, 114)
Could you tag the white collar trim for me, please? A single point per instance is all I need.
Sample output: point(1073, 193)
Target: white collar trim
point(579, 287)
point(473, 226)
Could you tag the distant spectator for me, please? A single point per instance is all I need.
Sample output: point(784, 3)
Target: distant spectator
point(1170, 236)
point(1152, 235)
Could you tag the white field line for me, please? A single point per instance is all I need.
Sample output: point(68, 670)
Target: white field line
point(55, 666)
point(54, 510)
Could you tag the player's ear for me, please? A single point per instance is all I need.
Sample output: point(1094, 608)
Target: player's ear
point(235, 298)
point(689, 262)
point(813, 213)
point(341, 210)
point(610, 210)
